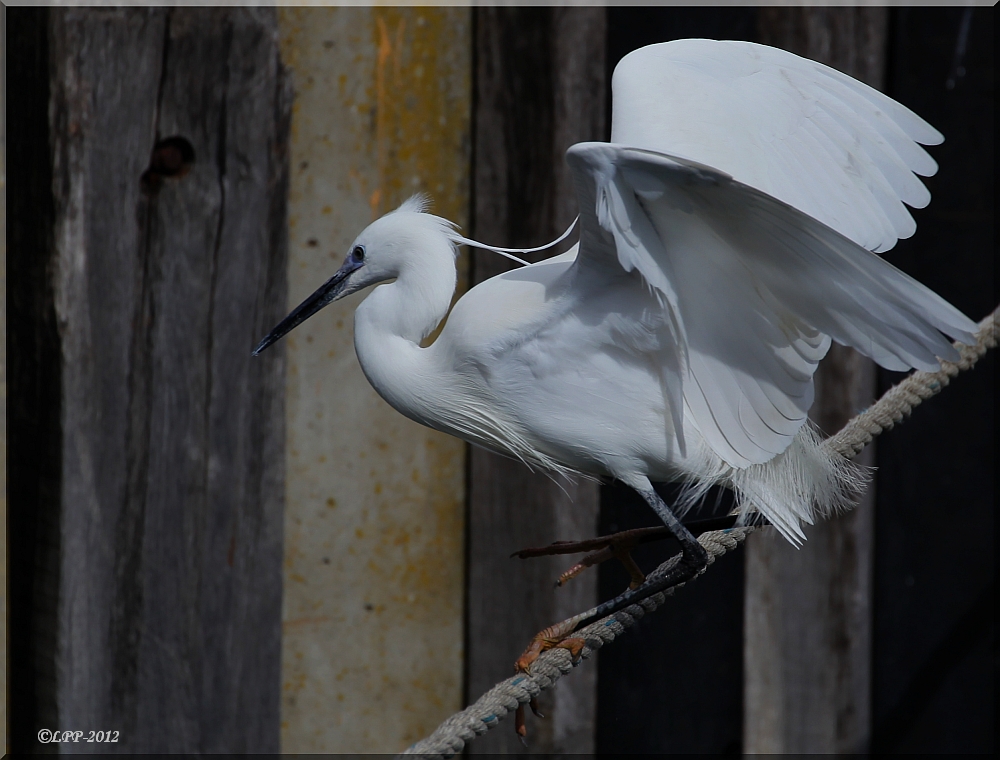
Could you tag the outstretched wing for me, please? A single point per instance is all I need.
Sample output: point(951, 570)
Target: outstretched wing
point(750, 288)
point(802, 132)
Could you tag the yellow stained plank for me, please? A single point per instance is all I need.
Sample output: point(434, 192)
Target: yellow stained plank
point(373, 591)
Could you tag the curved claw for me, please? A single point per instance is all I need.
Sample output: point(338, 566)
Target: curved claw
point(519, 725)
point(519, 728)
point(533, 704)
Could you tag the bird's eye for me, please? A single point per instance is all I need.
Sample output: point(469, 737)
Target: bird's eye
point(358, 253)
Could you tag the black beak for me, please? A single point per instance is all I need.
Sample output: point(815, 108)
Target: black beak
point(329, 292)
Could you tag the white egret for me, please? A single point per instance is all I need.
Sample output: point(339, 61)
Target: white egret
point(726, 236)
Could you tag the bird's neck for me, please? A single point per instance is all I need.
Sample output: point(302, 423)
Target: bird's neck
point(389, 326)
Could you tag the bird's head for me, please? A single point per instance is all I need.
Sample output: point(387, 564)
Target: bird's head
point(403, 238)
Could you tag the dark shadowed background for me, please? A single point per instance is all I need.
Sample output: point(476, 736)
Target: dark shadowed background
point(678, 687)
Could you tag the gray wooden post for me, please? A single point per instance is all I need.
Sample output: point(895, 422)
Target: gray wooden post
point(152, 588)
point(540, 87)
point(808, 624)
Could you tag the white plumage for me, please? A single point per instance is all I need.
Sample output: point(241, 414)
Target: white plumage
point(804, 133)
point(725, 239)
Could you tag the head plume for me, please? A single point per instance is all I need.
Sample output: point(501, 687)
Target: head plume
point(419, 203)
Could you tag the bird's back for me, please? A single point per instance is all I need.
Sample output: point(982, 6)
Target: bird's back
point(564, 361)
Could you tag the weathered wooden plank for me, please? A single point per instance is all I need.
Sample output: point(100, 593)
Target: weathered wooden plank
point(35, 375)
point(540, 87)
point(167, 619)
point(808, 616)
point(103, 68)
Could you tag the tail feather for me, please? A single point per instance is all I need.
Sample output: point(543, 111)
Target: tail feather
point(802, 483)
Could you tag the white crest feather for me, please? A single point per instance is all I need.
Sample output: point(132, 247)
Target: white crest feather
point(418, 203)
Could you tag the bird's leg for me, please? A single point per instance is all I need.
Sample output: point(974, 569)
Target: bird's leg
point(679, 569)
point(694, 557)
point(619, 546)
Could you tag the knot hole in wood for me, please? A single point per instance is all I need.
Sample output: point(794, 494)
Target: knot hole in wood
point(172, 157)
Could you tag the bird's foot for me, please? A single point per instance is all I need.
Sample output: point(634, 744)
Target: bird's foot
point(554, 637)
point(617, 545)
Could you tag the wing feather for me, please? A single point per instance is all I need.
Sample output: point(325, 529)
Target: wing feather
point(795, 129)
point(753, 290)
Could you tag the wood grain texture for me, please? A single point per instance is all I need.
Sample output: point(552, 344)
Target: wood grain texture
point(808, 612)
point(540, 87)
point(34, 382)
point(167, 618)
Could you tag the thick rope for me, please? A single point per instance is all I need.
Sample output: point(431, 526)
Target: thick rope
point(897, 403)
point(894, 406)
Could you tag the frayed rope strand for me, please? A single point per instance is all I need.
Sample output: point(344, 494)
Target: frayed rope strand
point(893, 407)
point(898, 402)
